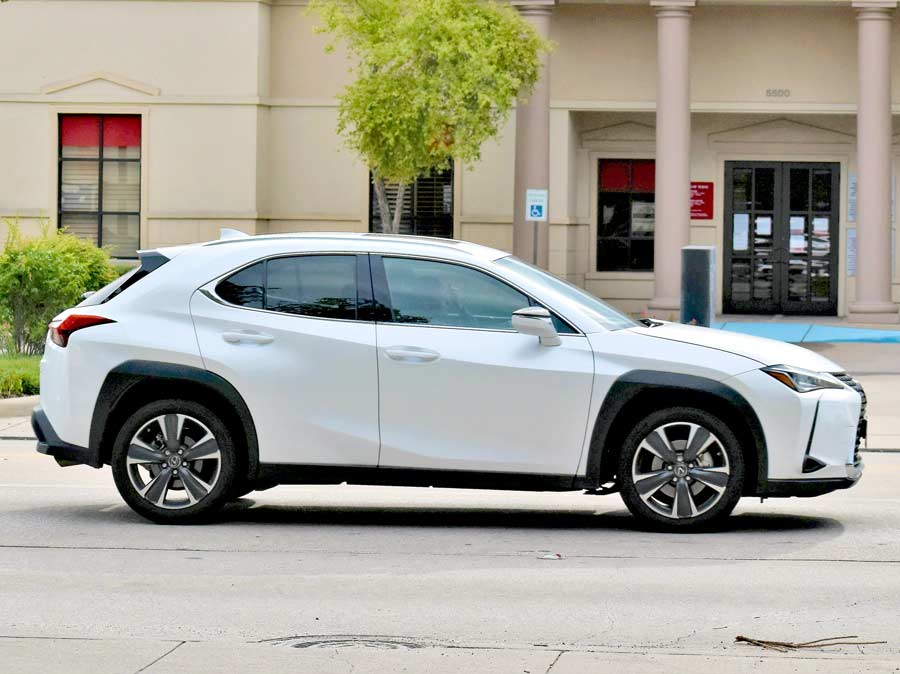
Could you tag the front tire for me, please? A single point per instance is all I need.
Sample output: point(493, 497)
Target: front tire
point(174, 462)
point(681, 469)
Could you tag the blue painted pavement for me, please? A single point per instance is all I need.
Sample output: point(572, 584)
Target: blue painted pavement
point(810, 332)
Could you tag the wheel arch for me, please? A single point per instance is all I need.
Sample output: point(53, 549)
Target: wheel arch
point(637, 391)
point(137, 382)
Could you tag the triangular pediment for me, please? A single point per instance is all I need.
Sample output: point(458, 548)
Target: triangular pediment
point(783, 132)
point(101, 83)
point(631, 132)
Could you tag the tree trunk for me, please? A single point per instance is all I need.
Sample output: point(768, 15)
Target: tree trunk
point(398, 209)
point(390, 219)
point(384, 208)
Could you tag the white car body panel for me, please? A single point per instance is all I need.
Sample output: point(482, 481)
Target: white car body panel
point(491, 401)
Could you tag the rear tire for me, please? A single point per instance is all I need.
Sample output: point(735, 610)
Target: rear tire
point(681, 469)
point(174, 462)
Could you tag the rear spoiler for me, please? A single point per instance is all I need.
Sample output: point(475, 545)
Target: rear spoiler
point(151, 260)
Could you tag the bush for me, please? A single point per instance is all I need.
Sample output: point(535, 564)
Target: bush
point(41, 276)
point(19, 376)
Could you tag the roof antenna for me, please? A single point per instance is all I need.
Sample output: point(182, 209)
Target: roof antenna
point(226, 233)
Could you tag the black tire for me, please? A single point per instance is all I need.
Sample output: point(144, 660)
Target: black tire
point(711, 503)
point(220, 471)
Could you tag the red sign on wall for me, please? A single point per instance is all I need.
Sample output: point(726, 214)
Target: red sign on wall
point(701, 201)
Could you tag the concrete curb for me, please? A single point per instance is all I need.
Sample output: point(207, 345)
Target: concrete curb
point(17, 407)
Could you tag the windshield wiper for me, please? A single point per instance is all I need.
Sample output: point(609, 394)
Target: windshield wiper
point(650, 323)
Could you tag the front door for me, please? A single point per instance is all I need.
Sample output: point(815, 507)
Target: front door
point(460, 389)
point(781, 235)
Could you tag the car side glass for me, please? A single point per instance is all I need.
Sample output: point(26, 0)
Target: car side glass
point(445, 294)
point(322, 286)
point(245, 288)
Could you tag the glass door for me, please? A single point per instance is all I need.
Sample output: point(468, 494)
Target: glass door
point(780, 233)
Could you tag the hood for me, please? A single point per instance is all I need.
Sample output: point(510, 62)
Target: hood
point(764, 351)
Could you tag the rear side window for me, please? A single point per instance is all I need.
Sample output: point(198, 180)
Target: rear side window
point(313, 285)
point(322, 286)
point(246, 288)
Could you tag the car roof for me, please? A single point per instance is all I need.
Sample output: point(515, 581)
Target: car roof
point(364, 242)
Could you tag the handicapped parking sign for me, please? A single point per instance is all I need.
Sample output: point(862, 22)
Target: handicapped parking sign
point(536, 205)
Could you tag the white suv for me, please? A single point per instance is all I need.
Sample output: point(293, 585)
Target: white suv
point(220, 368)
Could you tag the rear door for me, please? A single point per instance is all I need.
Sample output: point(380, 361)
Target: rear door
point(292, 335)
point(460, 389)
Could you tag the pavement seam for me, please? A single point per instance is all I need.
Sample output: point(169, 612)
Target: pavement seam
point(524, 555)
point(167, 653)
point(555, 660)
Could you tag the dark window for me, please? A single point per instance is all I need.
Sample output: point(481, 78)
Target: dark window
point(427, 206)
point(246, 288)
point(626, 214)
point(100, 180)
point(439, 293)
point(313, 285)
point(323, 286)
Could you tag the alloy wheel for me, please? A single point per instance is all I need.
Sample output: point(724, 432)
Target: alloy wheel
point(680, 470)
point(174, 461)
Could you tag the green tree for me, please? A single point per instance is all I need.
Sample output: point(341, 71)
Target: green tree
point(434, 80)
point(39, 277)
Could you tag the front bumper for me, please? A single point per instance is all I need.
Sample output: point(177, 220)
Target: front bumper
point(812, 487)
point(48, 442)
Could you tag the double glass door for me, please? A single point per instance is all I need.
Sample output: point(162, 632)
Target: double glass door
point(781, 238)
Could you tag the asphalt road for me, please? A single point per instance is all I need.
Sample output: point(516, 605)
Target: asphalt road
point(363, 579)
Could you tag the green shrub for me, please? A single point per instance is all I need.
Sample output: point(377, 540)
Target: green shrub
point(39, 277)
point(19, 376)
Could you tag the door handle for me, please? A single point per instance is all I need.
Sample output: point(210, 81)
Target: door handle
point(238, 336)
point(411, 354)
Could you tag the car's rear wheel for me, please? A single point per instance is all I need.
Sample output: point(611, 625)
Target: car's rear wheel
point(174, 462)
point(681, 469)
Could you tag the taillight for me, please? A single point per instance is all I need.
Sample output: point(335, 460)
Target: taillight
point(60, 330)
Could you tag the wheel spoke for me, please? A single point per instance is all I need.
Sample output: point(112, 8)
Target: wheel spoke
point(658, 444)
point(158, 487)
point(194, 487)
point(141, 452)
point(683, 506)
point(698, 442)
point(207, 448)
point(649, 483)
point(171, 430)
point(711, 477)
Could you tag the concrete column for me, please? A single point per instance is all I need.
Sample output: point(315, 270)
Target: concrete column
point(673, 151)
point(873, 156)
point(531, 240)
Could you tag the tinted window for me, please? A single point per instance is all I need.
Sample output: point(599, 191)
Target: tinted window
point(246, 288)
point(438, 293)
point(313, 285)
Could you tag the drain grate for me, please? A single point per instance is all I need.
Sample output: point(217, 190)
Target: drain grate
point(349, 641)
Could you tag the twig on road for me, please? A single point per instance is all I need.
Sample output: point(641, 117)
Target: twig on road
point(785, 646)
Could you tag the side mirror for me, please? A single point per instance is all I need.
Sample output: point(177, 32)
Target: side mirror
point(538, 322)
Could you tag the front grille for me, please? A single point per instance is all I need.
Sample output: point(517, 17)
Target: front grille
point(861, 428)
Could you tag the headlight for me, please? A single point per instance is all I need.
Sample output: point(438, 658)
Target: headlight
point(802, 381)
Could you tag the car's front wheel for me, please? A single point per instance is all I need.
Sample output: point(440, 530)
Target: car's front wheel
point(681, 469)
point(174, 462)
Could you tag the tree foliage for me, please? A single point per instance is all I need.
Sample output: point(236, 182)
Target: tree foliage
point(41, 276)
point(434, 80)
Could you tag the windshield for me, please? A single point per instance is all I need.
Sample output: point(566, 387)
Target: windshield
point(605, 315)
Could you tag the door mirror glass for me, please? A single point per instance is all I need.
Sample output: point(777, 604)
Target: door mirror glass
point(538, 322)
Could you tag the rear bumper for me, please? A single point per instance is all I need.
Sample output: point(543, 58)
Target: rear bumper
point(813, 487)
point(48, 442)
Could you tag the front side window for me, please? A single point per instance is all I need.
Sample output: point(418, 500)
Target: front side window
point(626, 214)
point(444, 294)
point(322, 286)
point(100, 180)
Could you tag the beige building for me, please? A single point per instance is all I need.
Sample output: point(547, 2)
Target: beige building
point(141, 123)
